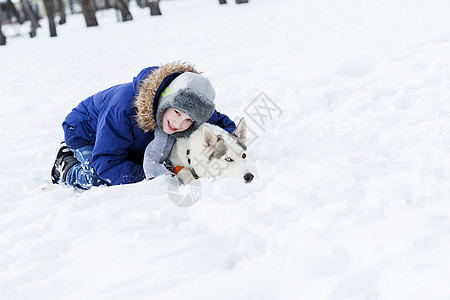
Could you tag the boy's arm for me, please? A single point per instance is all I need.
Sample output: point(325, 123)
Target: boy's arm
point(156, 154)
point(109, 157)
point(223, 121)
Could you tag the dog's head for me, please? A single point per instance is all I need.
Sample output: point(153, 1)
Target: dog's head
point(223, 153)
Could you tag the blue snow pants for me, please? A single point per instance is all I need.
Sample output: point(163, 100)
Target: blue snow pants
point(82, 175)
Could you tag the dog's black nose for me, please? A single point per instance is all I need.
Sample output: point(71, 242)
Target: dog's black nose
point(248, 177)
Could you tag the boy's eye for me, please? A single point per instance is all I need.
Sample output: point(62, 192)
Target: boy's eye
point(228, 159)
point(177, 112)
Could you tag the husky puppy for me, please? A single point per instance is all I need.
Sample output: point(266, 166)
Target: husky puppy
point(211, 151)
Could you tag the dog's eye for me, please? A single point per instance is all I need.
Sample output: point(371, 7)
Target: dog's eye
point(244, 155)
point(228, 159)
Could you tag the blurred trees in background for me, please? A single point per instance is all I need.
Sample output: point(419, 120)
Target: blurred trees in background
point(28, 10)
point(88, 9)
point(7, 12)
point(2, 37)
point(154, 7)
point(61, 11)
point(32, 16)
point(50, 10)
point(122, 6)
point(237, 1)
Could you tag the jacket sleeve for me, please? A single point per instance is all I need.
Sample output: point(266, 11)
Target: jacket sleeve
point(109, 157)
point(223, 121)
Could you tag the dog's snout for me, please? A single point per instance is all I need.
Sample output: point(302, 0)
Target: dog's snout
point(248, 177)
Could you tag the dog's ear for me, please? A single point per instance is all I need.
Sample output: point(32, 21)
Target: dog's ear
point(208, 137)
point(241, 131)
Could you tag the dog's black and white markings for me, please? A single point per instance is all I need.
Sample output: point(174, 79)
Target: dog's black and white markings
point(219, 150)
point(239, 142)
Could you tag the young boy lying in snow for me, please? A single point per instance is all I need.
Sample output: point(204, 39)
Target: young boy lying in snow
point(106, 135)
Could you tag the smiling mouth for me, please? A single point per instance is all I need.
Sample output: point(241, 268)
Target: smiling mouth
point(170, 127)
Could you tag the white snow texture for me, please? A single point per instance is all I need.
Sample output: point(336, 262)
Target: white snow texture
point(352, 163)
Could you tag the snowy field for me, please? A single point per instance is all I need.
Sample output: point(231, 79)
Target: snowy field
point(351, 194)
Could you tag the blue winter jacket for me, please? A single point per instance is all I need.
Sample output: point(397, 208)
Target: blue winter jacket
point(120, 122)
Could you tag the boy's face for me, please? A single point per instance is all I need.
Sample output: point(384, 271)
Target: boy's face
point(175, 120)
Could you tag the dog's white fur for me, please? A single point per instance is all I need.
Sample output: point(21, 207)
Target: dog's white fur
point(211, 151)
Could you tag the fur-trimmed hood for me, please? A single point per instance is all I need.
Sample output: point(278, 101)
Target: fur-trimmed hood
point(150, 89)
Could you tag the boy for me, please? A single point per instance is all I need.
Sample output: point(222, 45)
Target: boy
point(106, 135)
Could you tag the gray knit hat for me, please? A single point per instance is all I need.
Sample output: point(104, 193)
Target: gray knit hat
point(191, 93)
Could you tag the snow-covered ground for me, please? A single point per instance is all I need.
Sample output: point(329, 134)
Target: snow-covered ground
point(350, 198)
